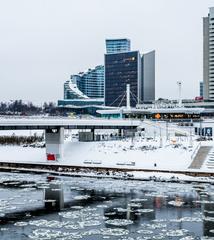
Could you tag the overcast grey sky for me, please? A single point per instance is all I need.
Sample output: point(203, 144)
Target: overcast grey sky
point(42, 42)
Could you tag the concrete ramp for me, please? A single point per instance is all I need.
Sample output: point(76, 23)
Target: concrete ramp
point(200, 157)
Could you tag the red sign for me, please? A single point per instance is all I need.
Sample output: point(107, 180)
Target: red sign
point(51, 157)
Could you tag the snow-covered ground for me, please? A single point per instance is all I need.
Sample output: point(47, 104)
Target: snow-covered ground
point(21, 132)
point(150, 152)
point(162, 176)
point(138, 153)
point(21, 154)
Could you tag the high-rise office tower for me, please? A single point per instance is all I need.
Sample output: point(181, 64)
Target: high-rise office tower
point(148, 76)
point(208, 55)
point(122, 69)
point(129, 67)
point(118, 45)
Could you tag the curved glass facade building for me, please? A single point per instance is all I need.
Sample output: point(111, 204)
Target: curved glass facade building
point(71, 91)
point(88, 84)
point(91, 83)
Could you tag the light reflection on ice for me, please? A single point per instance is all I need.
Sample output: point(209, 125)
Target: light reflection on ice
point(119, 222)
point(176, 233)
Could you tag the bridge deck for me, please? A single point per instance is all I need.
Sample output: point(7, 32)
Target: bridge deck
point(22, 124)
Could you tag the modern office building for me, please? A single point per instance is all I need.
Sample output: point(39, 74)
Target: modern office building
point(71, 90)
point(122, 69)
point(208, 55)
point(88, 84)
point(148, 77)
point(129, 68)
point(118, 45)
point(81, 106)
point(91, 83)
point(83, 92)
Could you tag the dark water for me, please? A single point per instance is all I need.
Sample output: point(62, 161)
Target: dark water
point(104, 209)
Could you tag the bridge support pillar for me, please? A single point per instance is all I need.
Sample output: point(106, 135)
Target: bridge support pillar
point(93, 133)
point(54, 139)
point(120, 132)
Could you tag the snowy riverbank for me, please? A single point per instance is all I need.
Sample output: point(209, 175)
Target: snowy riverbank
point(126, 153)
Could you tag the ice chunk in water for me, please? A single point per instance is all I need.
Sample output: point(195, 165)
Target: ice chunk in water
point(119, 222)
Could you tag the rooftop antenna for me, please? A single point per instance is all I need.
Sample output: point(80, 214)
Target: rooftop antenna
point(179, 94)
point(128, 96)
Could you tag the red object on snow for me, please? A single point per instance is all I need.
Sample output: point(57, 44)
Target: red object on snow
point(199, 98)
point(51, 157)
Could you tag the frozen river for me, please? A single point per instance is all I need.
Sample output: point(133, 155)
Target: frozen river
point(105, 209)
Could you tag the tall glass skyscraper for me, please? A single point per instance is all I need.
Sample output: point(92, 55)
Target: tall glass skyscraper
point(89, 84)
point(148, 76)
point(118, 45)
point(128, 67)
point(122, 69)
point(208, 55)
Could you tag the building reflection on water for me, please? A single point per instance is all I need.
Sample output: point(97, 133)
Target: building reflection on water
point(208, 212)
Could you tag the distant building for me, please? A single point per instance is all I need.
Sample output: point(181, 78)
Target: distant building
point(81, 106)
point(129, 67)
point(117, 45)
point(201, 89)
point(208, 55)
point(122, 69)
point(83, 92)
point(148, 77)
point(88, 84)
point(91, 89)
point(91, 82)
point(71, 90)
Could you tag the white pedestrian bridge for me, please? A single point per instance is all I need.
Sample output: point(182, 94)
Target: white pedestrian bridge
point(54, 129)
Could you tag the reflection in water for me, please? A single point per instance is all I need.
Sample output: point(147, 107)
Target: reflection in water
point(131, 208)
point(208, 210)
point(54, 197)
point(104, 208)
